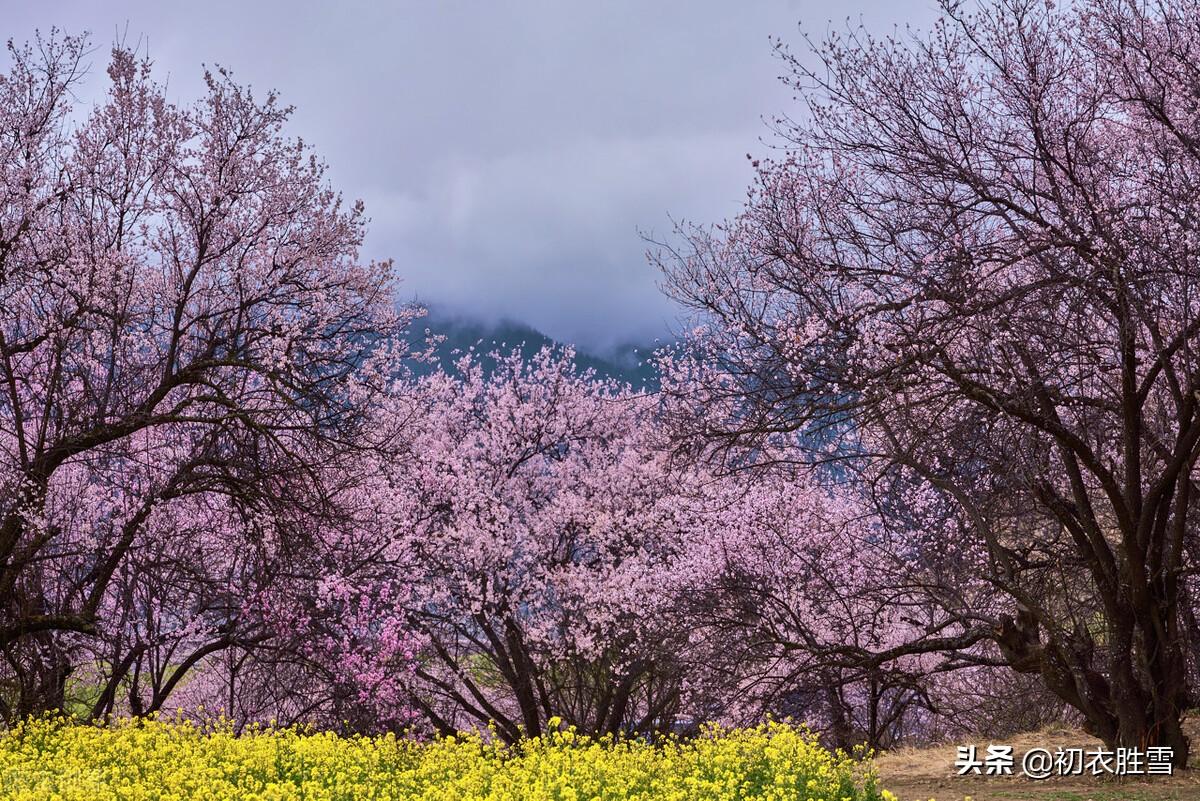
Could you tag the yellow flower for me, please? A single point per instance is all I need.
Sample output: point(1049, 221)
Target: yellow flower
point(52, 758)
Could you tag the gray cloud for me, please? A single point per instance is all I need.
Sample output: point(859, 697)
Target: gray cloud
point(508, 152)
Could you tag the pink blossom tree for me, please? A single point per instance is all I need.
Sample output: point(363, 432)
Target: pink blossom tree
point(516, 546)
point(787, 578)
point(968, 280)
point(187, 339)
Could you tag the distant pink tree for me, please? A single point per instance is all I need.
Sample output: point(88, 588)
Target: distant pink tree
point(187, 339)
point(526, 525)
point(787, 581)
point(969, 280)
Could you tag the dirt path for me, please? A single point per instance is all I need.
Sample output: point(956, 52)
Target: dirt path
point(1172, 789)
point(929, 773)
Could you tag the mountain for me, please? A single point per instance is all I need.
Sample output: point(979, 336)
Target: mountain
point(625, 363)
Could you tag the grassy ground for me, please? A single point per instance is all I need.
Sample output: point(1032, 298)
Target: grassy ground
point(921, 774)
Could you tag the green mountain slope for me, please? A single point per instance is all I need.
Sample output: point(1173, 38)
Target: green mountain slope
point(625, 363)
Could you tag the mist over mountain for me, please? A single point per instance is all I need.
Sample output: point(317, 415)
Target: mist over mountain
point(627, 362)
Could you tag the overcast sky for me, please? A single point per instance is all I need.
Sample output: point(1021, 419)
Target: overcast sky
point(508, 152)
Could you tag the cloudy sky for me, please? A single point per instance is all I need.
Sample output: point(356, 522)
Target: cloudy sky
point(508, 152)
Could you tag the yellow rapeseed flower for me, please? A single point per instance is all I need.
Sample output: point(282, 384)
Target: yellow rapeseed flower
point(161, 760)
